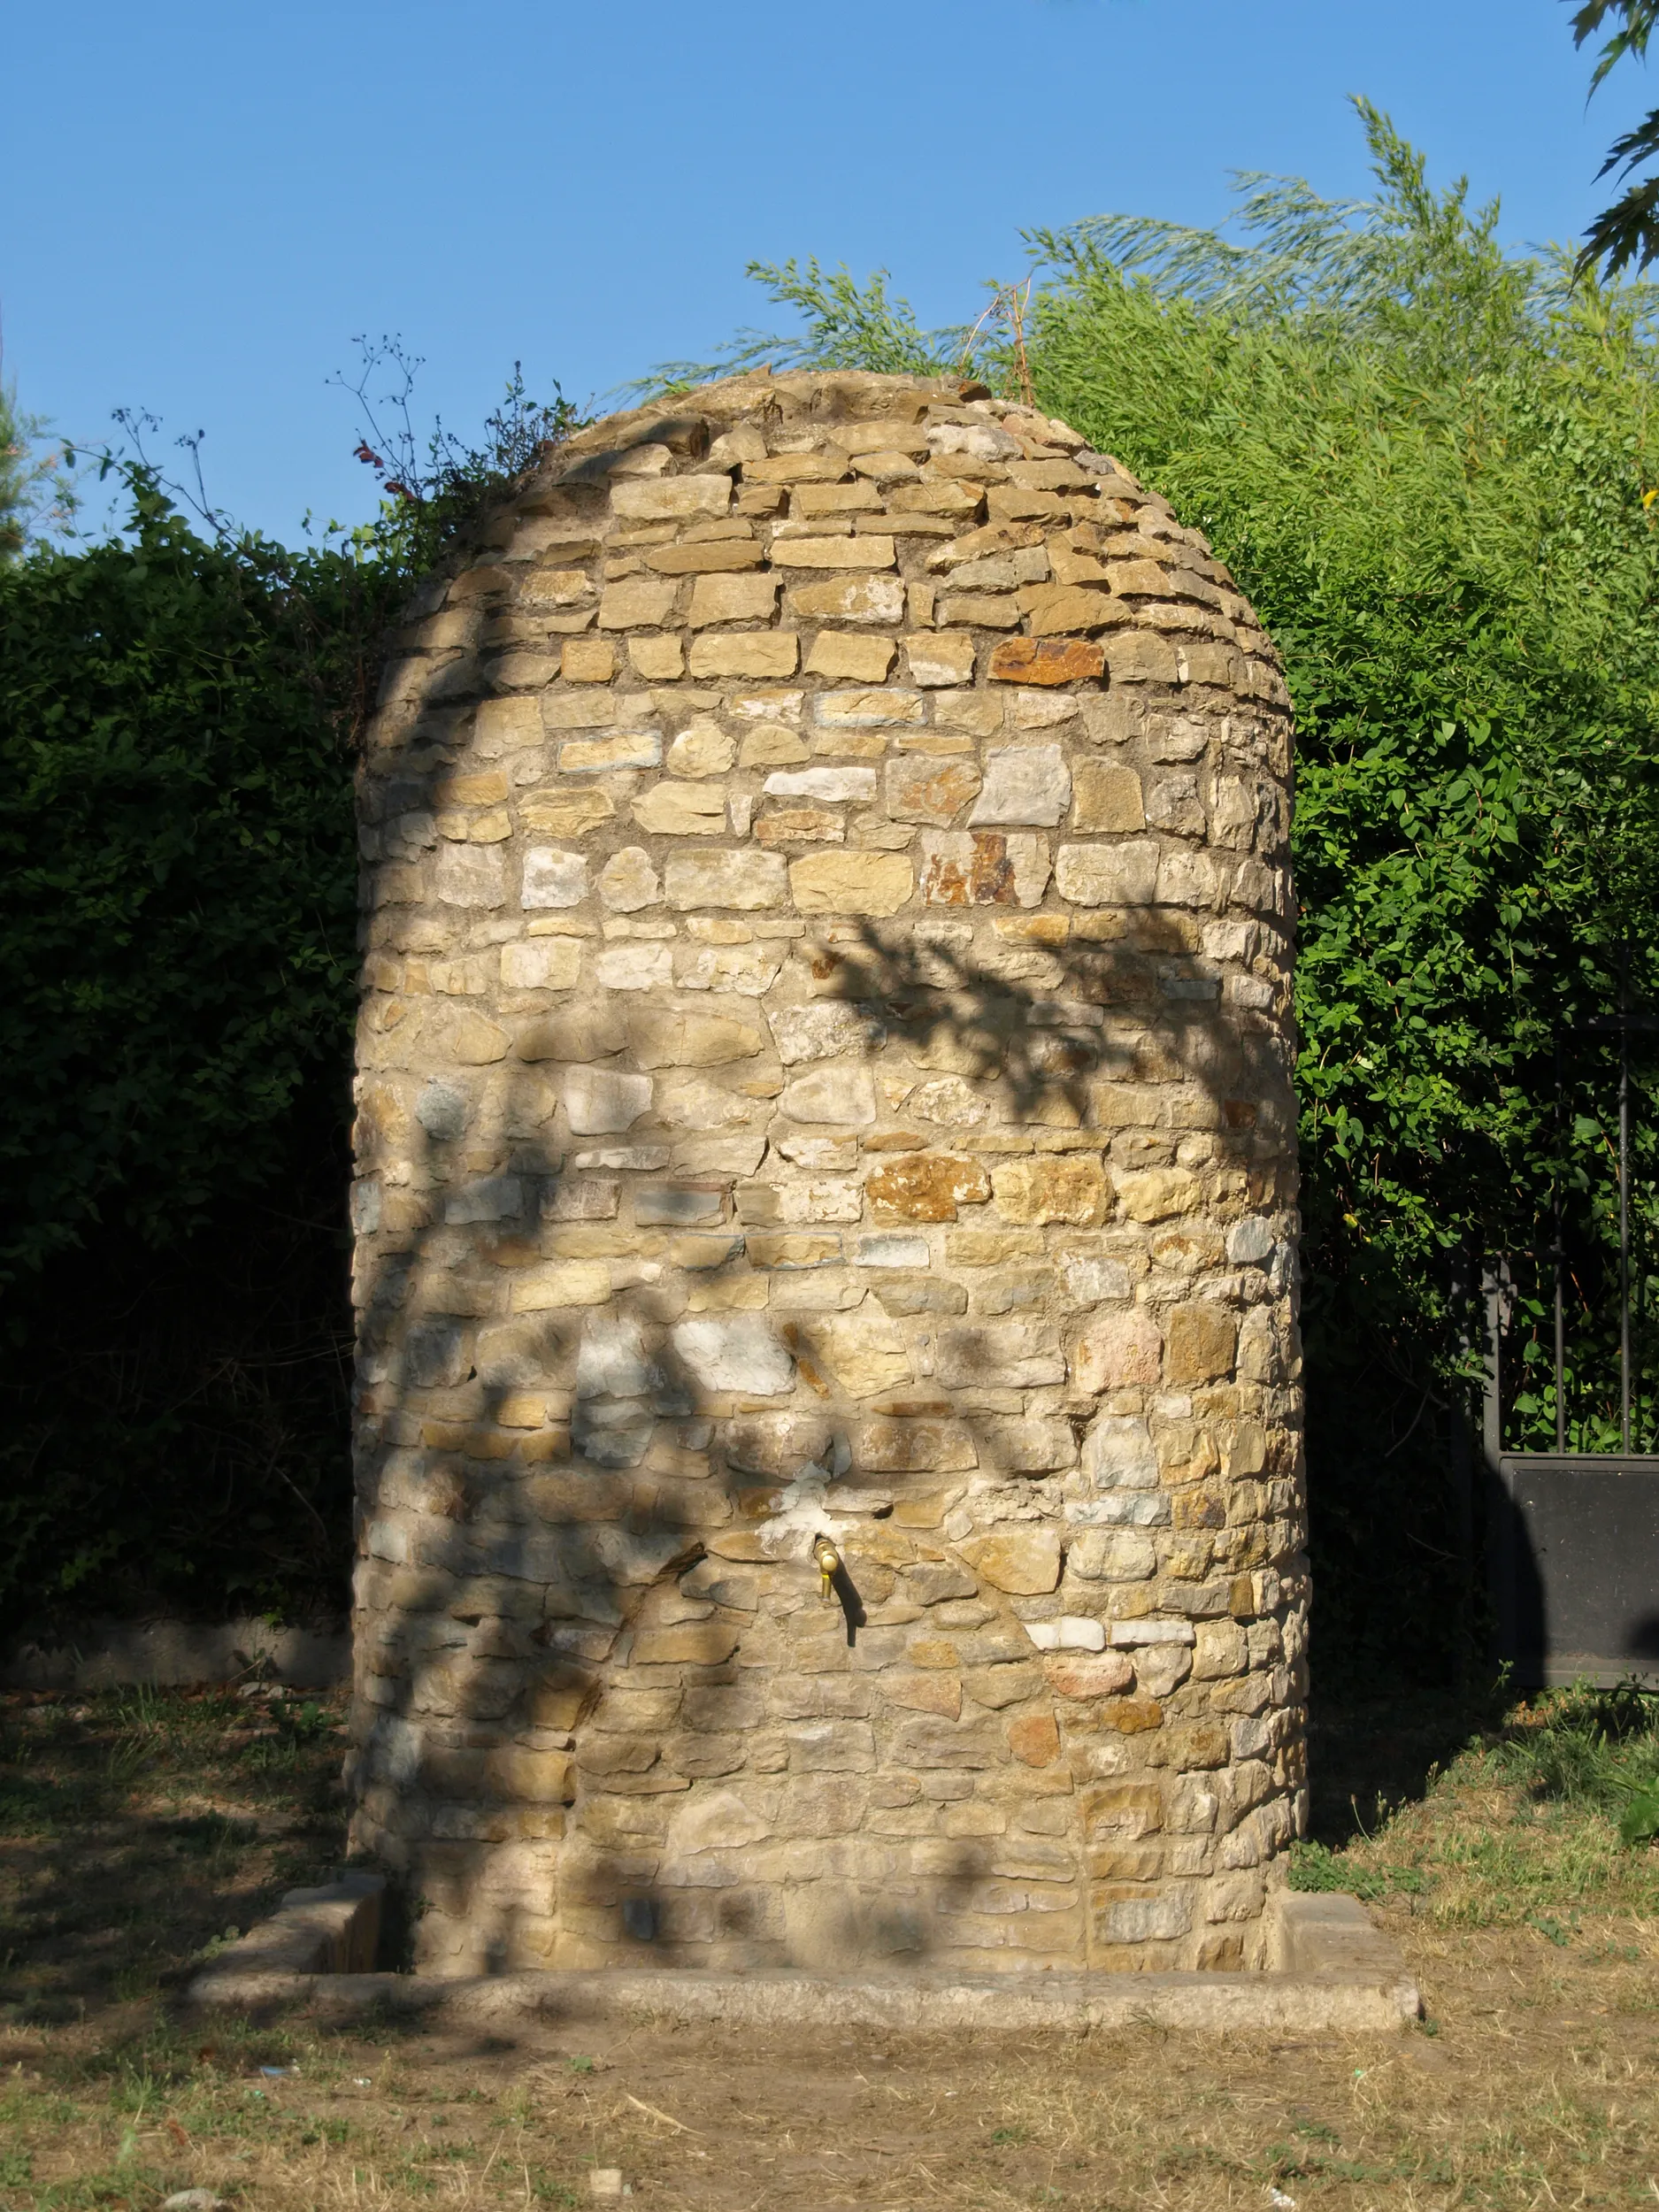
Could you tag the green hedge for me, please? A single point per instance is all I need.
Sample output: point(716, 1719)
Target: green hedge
point(1433, 466)
point(176, 924)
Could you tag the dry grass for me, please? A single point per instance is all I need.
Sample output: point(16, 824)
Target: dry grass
point(135, 1832)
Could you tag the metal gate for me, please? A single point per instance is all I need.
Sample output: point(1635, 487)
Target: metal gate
point(1572, 1538)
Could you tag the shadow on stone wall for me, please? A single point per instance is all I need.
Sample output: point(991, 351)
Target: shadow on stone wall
point(542, 1489)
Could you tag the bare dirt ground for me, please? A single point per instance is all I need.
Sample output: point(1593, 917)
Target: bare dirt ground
point(137, 1828)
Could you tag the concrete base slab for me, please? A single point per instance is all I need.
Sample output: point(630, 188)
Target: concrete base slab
point(1334, 1973)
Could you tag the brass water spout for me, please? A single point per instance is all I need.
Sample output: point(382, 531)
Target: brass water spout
point(828, 1561)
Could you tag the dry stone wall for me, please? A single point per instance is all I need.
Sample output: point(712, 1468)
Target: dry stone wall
point(823, 1074)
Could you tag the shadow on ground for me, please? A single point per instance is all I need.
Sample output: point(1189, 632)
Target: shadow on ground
point(138, 1826)
point(1367, 1757)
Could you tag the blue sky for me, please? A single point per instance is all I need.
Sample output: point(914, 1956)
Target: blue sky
point(205, 203)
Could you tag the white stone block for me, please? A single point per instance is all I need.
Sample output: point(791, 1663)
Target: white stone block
point(553, 877)
point(1026, 786)
point(734, 1353)
point(597, 1101)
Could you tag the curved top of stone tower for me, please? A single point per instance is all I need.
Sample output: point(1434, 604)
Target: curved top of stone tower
point(824, 1087)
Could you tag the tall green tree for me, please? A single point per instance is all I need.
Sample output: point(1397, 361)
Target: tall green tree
point(37, 488)
point(1433, 464)
point(177, 900)
point(1628, 230)
point(18, 474)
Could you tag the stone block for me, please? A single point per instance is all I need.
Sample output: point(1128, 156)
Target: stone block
point(1105, 797)
point(1202, 1338)
point(701, 749)
point(565, 813)
point(997, 1687)
point(471, 875)
point(588, 756)
point(1006, 1355)
point(889, 1445)
point(1116, 1351)
point(851, 883)
point(868, 709)
point(823, 1030)
point(939, 1693)
point(924, 790)
point(681, 810)
point(588, 660)
point(733, 598)
point(1034, 1740)
point(914, 1293)
point(502, 726)
point(677, 1206)
point(863, 552)
point(553, 878)
point(831, 1746)
point(1002, 571)
point(541, 963)
point(926, 1186)
point(1057, 610)
point(581, 1198)
point(1141, 656)
point(1119, 1454)
point(1158, 1194)
point(983, 868)
point(849, 599)
point(670, 498)
point(782, 826)
point(741, 968)
point(1043, 709)
point(796, 468)
point(531, 1778)
point(640, 603)
point(744, 653)
point(740, 1352)
point(634, 967)
point(598, 1101)
point(1024, 1561)
point(627, 881)
point(1108, 875)
point(980, 610)
point(773, 745)
point(1088, 1674)
point(940, 657)
point(847, 658)
point(546, 1289)
point(690, 1644)
point(1145, 1919)
point(974, 713)
point(928, 1742)
point(1112, 1555)
point(862, 1352)
point(659, 660)
point(742, 879)
point(1073, 1188)
point(1031, 1447)
point(691, 1040)
point(1025, 786)
point(1024, 660)
point(843, 1095)
point(832, 785)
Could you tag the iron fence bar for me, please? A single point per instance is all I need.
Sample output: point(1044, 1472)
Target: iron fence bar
point(1561, 1260)
point(1623, 1203)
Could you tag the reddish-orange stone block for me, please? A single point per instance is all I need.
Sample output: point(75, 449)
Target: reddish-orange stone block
point(1046, 660)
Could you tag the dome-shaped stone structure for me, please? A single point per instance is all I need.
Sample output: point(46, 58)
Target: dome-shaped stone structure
point(824, 1079)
